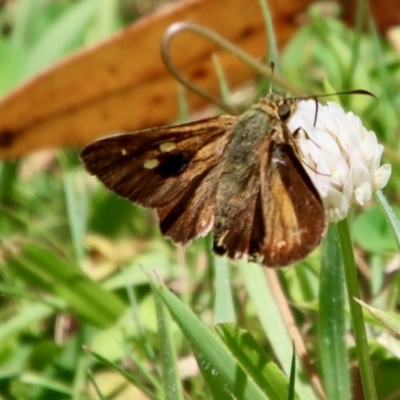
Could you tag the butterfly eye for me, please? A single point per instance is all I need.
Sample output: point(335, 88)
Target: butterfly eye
point(284, 112)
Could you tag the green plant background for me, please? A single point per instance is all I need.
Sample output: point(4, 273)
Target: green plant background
point(72, 252)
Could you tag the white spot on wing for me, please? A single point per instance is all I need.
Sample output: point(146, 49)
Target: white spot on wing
point(150, 164)
point(167, 146)
point(124, 152)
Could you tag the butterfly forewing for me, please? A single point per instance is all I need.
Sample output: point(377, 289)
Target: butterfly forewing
point(154, 167)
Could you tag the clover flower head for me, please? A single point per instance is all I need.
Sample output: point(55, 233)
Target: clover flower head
point(340, 155)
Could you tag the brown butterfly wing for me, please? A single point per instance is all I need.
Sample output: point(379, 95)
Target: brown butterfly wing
point(191, 214)
point(239, 224)
point(174, 169)
point(293, 209)
point(276, 217)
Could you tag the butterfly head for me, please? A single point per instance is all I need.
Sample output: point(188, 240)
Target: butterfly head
point(278, 106)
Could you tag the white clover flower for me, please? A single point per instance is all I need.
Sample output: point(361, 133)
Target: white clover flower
point(341, 157)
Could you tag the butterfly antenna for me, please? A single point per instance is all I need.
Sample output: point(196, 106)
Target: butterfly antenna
point(355, 91)
point(316, 97)
point(316, 111)
point(272, 65)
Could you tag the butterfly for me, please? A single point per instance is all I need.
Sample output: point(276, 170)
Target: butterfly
point(239, 177)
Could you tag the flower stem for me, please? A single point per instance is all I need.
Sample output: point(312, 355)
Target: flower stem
point(353, 290)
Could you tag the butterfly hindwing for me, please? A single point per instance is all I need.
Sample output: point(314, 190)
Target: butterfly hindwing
point(293, 209)
point(192, 214)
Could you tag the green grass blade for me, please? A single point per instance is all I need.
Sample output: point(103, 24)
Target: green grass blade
point(273, 55)
point(151, 375)
point(353, 291)
point(106, 19)
point(172, 383)
point(391, 323)
point(79, 381)
point(273, 324)
point(96, 386)
point(76, 203)
point(129, 377)
point(223, 83)
point(87, 298)
point(355, 54)
point(22, 14)
point(59, 36)
point(390, 215)
point(26, 317)
point(12, 61)
point(224, 310)
point(292, 378)
point(134, 307)
point(332, 320)
point(214, 386)
point(132, 274)
point(254, 361)
point(8, 179)
point(222, 370)
point(39, 381)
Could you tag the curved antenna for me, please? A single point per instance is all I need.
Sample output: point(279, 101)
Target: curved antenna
point(259, 67)
point(353, 91)
point(316, 96)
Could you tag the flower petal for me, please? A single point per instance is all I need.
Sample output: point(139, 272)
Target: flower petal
point(340, 155)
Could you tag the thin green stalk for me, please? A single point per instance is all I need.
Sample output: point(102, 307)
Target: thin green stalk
point(272, 53)
point(390, 215)
point(359, 23)
point(95, 385)
point(353, 291)
point(258, 66)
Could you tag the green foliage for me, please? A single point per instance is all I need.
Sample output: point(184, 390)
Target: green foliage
point(75, 258)
point(332, 323)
